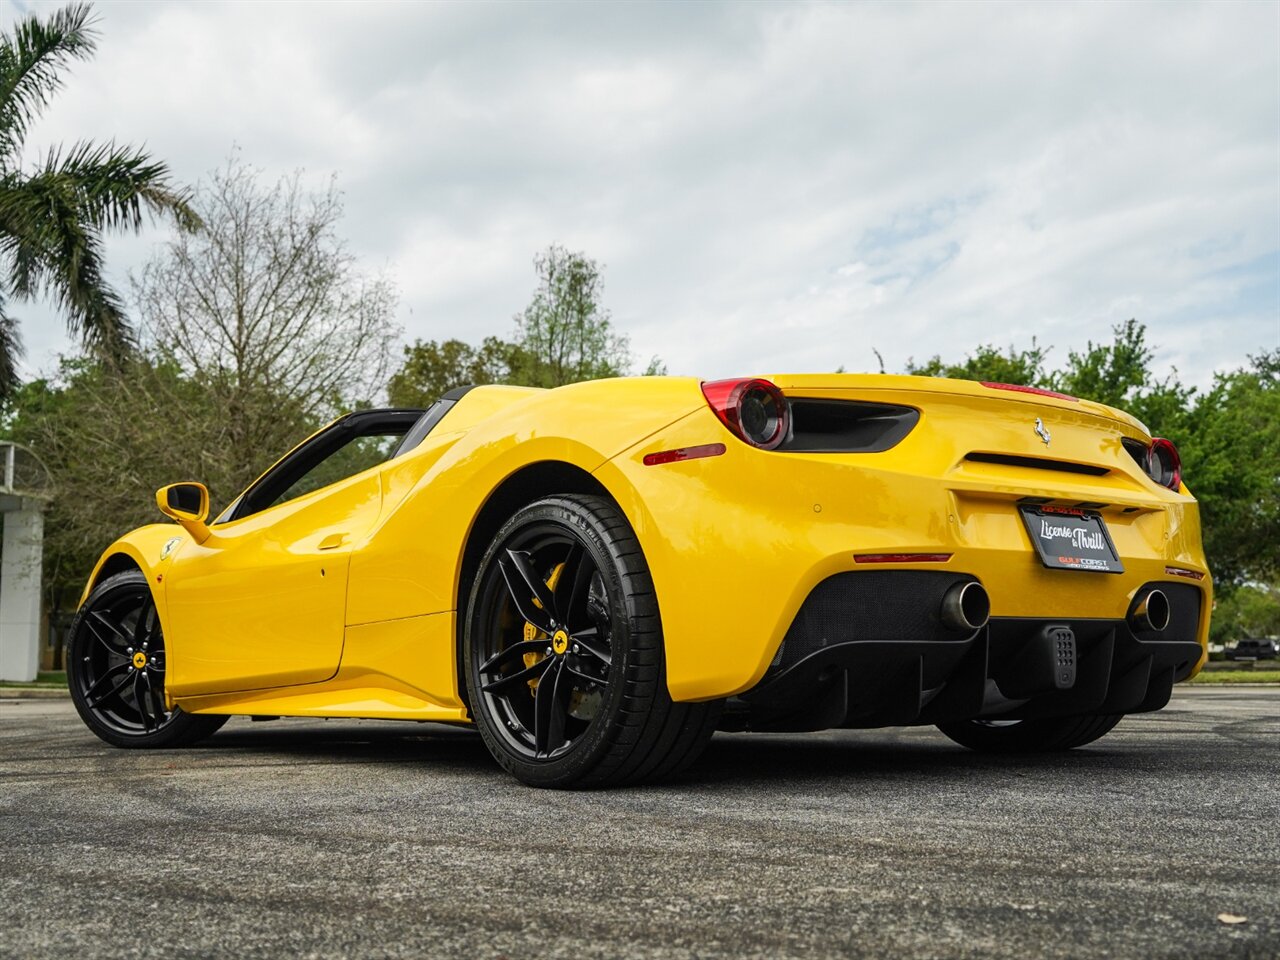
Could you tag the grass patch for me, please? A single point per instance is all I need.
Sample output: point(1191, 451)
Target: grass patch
point(1238, 676)
point(45, 680)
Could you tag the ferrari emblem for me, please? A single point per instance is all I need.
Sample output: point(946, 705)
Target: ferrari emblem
point(168, 547)
point(1042, 431)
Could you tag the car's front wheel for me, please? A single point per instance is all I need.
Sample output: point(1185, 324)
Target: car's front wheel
point(1029, 736)
point(563, 653)
point(116, 667)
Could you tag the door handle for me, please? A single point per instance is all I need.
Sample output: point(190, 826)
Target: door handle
point(332, 540)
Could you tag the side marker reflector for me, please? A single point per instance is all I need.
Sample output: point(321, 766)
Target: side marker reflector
point(684, 453)
point(901, 557)
point(1182, 572)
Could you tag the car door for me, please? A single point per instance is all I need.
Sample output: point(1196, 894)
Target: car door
point(261, 603)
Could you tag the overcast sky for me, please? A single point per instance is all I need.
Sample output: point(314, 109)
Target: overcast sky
point(770, 188)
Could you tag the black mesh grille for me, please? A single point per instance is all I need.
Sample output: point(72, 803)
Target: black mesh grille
point(871, 605)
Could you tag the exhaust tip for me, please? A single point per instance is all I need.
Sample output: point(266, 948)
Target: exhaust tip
point(1151, 613)
point(966, 607)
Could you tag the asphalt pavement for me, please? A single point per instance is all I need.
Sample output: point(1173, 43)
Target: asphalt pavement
point(306, 838)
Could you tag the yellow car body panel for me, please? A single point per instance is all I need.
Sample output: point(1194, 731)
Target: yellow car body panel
point(734, 543)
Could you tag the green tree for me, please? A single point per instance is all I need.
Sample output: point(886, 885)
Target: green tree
point(432, 368)
point(1251, 611)
point(265, 305)
point(1023, 367)
point(111, 434)
point(563, 336)
point(1111, 373)
point(52, 217)
point(565, 333)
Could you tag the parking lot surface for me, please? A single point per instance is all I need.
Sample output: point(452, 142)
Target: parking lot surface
point(343, 838)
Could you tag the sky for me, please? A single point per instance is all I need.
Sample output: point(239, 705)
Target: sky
point(769, 188)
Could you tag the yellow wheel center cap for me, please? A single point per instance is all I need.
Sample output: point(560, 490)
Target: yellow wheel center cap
point(560, 641)
point(139, 660)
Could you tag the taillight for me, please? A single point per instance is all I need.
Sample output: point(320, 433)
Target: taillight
point(1164, 466)
point(755, 410)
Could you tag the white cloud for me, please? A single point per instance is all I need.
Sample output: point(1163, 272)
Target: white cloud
point(769, 186)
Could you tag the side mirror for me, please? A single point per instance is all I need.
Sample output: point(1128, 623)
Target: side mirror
point(188, 503)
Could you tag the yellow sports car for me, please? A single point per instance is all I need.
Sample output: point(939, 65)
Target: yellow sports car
point(601, 575)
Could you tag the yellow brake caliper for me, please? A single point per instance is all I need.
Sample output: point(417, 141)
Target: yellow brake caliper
point(533, 633)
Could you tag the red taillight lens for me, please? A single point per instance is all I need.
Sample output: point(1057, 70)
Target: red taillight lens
point(754, 409)
point(1164, 466)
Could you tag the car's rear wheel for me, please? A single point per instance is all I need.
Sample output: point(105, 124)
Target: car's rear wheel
point(563, 653)
point(116, 669)
point(1029, 736)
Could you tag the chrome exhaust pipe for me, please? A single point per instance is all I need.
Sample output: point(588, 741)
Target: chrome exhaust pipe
point(966, 607)
point(1151, 613)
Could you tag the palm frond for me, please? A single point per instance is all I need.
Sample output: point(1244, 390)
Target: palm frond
point(48, 247)
point(114, 187)
point(31, 59)
point(10, 352)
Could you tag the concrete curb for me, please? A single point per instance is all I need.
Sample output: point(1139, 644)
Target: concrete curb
point(33, 693)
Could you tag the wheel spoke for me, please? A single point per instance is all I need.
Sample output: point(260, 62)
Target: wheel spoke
point(157, 701)
point(521, 676)
point(589, 640)
point(516, 649)
point(538, 589)
point(140, 701)
point(140, 627)
point(571, 587)
point(589, 678)
point(524, 586)
point(93, 632)
point(97, 616)
point(548, 718)
point(109, 694)
point(114, 671)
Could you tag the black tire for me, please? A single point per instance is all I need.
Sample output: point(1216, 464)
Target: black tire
point(1030, 736)
point(573, 693)
point(120, 702)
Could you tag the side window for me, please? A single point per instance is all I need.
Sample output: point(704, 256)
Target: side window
point(360, 453)
point(352, 444)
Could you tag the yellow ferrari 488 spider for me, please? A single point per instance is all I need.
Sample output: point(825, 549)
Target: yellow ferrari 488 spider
point(600, 576)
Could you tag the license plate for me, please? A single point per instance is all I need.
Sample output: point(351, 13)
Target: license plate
point(1070, 539)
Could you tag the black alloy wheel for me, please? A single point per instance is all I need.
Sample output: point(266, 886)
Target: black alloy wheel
point(563, 653)
point(116, 669)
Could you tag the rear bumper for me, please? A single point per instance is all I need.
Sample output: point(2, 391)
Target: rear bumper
point(736, 543)
point(868, 650)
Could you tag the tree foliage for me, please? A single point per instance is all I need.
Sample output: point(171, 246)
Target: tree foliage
point(265, 309)
point(1228, 435)
point(1023, 367)
point(564, 333)
point(1251, 611)
point(563, 336)
point(431, 369)
point(252, 334)
point(52, 217)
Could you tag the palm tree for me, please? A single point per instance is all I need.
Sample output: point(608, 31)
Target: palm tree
point(52, 216)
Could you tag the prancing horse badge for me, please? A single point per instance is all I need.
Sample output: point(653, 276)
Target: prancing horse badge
point(1042, 431)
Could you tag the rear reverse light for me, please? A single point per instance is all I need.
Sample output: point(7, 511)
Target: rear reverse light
point(1164, 465)
point(754, 409)
point(1019, 388)
point(901, 557)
